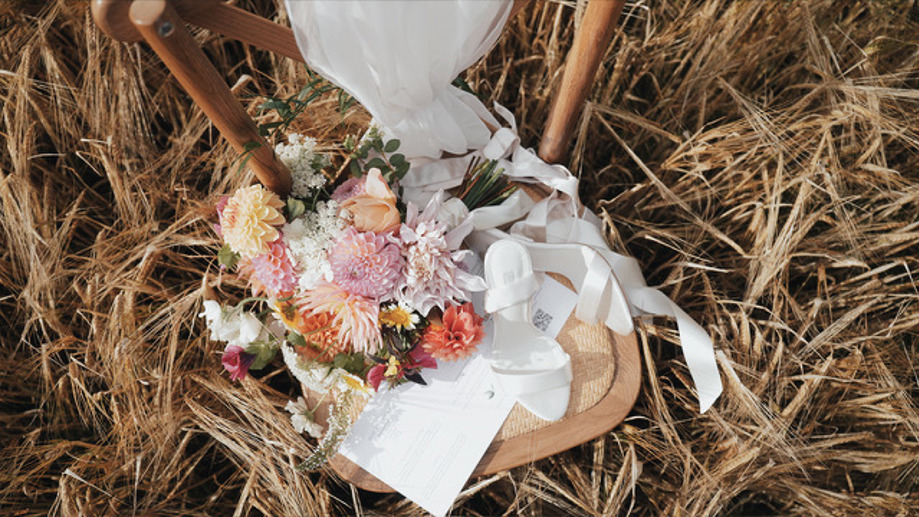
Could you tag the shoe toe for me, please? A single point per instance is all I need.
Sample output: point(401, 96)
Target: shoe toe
point(551, 404)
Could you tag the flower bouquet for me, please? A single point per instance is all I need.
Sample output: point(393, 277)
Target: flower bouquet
point(355, 287)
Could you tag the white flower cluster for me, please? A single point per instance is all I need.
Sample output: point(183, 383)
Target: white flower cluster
point(299, 155)
point(234, 326)
point(321, 377)
point(307, 238)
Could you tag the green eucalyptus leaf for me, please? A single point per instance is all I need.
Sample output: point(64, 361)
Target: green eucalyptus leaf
point(356, 170)
point(264, 353)
point(392, 146)
point(227, 257)
point(295, 208)
point(377, 163)
point(402, 170)
point(296, 340)
point(340, 360)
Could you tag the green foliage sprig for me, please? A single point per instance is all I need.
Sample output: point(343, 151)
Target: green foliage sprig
point(373, 152)
point(292, 107)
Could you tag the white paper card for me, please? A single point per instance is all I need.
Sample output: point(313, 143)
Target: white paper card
point(425, 441)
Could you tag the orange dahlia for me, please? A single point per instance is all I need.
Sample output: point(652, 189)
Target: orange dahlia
point(458, 336)
point(356, 315)
point(321, 335)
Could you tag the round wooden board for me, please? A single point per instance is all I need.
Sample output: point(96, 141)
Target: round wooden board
point(568, 432)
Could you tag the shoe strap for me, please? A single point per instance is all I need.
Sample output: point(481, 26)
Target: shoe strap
point(513, 293)
point(516, 382)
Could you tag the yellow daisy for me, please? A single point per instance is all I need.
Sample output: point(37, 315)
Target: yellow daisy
point(399, 317)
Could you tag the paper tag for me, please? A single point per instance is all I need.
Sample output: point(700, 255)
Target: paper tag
point(552, 306)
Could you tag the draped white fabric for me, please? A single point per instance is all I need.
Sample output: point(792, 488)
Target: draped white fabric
point(398, 58)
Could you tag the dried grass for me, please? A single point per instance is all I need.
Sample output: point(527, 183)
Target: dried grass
point(759, 158)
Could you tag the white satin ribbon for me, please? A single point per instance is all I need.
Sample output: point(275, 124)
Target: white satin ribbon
point(561, 220)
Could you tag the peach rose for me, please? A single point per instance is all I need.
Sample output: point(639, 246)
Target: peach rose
point(374, 210)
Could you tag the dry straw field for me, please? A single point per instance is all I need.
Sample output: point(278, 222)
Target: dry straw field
point(760, 159)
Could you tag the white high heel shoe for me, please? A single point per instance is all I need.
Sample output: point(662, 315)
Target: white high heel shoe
point(531, 366)
point(601, 298)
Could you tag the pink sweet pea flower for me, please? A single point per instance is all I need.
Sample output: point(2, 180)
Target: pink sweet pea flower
point(420, 358)
point(237, 362)
point(221, 204)
point(348, 189)
point(375, 376)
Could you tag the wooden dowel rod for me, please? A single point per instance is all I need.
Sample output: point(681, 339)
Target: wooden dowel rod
point(233, 22)
point(165, 32)
point(590, 44)
point(215, 15)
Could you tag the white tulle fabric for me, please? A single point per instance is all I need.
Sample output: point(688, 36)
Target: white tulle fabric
point(398, 58)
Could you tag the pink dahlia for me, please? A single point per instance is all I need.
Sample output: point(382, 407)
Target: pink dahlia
point(356, 315)
point(272, 273)
point(366, 264)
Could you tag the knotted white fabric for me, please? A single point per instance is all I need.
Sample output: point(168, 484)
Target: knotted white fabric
point(398, 58)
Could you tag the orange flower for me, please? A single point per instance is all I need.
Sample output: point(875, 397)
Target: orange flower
point(321, 335)
point(319, 330)
point(374, 210)
point(459, 335)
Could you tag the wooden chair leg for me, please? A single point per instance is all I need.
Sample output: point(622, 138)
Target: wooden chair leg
point(164, 30)
point(590, 44)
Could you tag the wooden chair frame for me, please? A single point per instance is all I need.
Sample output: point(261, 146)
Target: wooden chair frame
point(161, 23)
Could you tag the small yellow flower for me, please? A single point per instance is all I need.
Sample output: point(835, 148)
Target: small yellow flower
point(353, 383)
point(392, 368)
point(399, 317)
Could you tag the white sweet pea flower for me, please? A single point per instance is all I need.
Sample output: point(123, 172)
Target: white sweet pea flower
point(233, 326)
point(302, 418)
point(213, 316)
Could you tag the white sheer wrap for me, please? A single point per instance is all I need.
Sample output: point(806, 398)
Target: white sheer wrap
point(398, 58)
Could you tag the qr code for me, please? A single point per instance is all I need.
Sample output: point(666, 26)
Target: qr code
point(542, 319)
